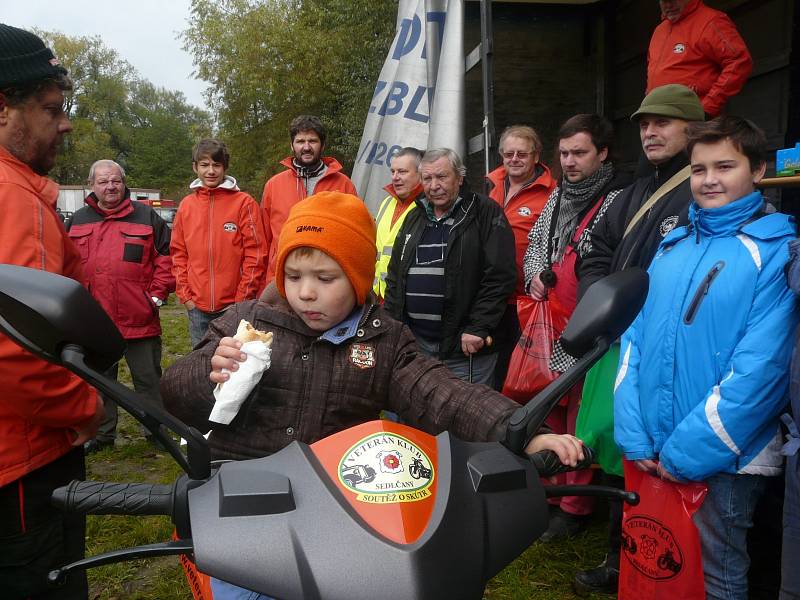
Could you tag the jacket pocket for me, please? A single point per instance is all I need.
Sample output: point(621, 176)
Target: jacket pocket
point(80, 238)
point(136, 243)
point(702, 292)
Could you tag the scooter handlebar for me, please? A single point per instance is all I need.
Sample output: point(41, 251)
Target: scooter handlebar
point(107, 498)
point(548, 464)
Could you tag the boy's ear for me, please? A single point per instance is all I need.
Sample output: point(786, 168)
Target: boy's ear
point(4, 108)
point(758, 174)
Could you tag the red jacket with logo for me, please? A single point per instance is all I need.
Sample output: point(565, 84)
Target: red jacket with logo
point(522, 210)
point(284, 190)
point(125, 255)
point(39, 403)
point(218, 247)
point(703, 51)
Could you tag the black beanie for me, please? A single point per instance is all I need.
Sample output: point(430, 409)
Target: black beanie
point(24, 57)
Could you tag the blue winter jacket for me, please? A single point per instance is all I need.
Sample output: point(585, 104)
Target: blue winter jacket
point(703, 369)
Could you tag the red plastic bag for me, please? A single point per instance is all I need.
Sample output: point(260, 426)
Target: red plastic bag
point(660, 543)
point(529, 368)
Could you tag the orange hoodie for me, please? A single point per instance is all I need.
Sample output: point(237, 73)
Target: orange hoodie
point(284, 190)
point(218, 247)
point(40, 403)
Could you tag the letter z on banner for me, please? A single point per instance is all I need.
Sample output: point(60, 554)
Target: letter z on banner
point(419, 98)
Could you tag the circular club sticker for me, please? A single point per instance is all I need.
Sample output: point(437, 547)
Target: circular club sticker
point(651, 548)
point(386, 468)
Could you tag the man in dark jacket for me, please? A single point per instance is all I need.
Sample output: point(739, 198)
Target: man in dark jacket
point(124, 248)
point(452, 269)
point(628, 235)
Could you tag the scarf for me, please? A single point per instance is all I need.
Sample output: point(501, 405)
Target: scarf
point(574, 199)
point(308, 172)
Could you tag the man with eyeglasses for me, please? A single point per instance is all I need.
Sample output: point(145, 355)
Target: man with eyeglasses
point(46, 412)
point(124, 248)
point(521, 186)
point(452, 270)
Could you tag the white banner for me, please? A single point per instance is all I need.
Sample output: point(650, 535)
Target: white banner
point(419, 98)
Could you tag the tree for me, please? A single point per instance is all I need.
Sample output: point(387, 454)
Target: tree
point(116, 114)
point(268, 61)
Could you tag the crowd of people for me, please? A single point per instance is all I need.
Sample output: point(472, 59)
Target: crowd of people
point(413, 313)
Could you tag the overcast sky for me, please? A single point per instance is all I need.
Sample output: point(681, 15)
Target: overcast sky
point(143, 32)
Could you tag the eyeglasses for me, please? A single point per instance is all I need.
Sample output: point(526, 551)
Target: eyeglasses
point(519, 154)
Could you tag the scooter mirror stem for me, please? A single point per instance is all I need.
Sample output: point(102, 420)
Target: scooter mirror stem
point(58, 576)
point(528, 419)
point(197, 461)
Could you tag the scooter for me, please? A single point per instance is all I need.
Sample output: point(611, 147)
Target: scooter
point(378, 510)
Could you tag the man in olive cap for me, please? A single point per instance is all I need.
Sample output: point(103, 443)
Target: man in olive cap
point(628, 235)
point(46, 412)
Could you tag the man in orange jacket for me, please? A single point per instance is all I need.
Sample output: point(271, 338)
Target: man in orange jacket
point(307, 172)
point(46, 412)
point(698, 47)
point(521, 185)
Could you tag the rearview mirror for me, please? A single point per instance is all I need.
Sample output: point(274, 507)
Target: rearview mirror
point(43, 312)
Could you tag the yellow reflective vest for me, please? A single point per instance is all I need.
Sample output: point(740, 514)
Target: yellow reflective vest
point(384, 239)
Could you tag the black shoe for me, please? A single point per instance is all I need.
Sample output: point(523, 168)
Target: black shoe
point(603, 578)
point(563, 525)
point(95, 445)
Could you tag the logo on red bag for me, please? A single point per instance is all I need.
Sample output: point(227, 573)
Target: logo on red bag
point(651, 548)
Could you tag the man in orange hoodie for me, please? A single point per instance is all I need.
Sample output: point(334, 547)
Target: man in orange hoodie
point(218, 244)
point(307, 172)
point(521, 185)
point(46, 412)
point(698, 47)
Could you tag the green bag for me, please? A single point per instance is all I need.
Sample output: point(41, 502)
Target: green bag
point(595, 422)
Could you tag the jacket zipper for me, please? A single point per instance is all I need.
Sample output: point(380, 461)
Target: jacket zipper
point(702, 292)
point(211, 248)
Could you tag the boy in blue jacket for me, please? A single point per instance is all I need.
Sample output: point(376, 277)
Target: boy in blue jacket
point(703, 370)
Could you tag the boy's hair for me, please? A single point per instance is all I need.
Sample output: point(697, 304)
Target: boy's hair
point(524, 132)
point(747, 137)
point(414, 153)
point(307, 123)
point(214, 149)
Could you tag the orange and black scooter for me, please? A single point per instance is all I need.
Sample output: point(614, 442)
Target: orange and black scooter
point(380, 510)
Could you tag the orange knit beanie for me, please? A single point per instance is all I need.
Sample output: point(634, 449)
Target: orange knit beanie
point(340, 226)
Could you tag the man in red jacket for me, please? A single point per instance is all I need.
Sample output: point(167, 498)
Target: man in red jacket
point(698, 47)
point(46, 412)
point(307, 172)
point(124, 248)
point(521, 185)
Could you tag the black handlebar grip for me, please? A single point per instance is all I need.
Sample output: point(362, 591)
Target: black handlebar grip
point(106, 498)
point(548, 464)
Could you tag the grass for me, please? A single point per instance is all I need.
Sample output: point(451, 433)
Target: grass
point(543, 572)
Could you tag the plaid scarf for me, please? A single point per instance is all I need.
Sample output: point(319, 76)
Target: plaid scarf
point(575, 199)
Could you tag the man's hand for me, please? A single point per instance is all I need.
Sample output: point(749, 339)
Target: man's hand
point(86, 433)
point(537, 289)
point(228, 355)
point(568, 448)
point(470, 344)
point(646, 465)
point(190, 305)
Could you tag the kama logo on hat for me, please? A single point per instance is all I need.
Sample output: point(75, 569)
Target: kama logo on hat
point(312, 228)
point(230, 227)
point(679, 49)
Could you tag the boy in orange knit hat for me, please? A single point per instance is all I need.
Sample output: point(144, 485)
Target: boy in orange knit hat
point(338, 358)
